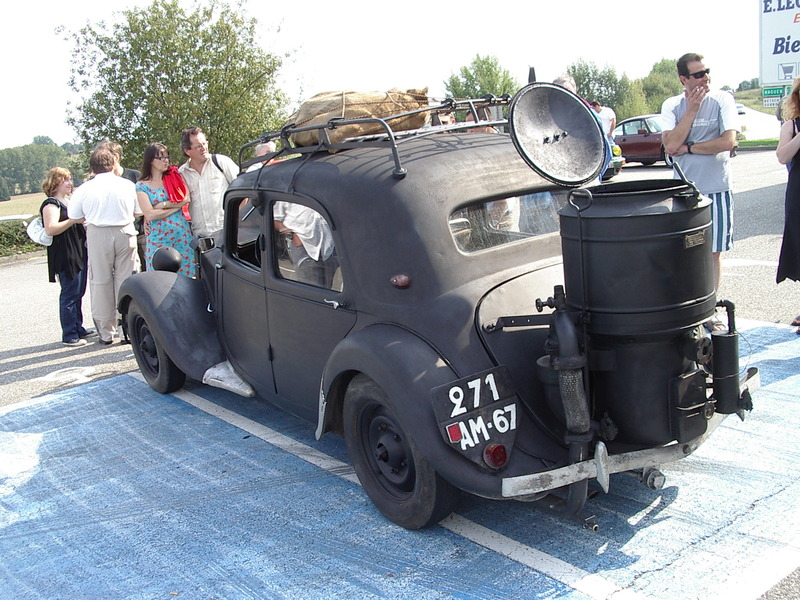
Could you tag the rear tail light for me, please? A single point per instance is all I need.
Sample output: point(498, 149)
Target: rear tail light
point(495, 455)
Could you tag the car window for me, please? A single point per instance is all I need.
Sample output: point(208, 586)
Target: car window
point(501, 221)
point(654, 123)
point(633, 127)
point(303, 246)
point(247, 219)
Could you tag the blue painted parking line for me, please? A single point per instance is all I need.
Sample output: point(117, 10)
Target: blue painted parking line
point(110, 490)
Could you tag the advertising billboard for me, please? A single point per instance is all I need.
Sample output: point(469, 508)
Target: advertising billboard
point(780, 47)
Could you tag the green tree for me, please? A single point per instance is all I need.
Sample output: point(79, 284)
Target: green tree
point(5, 189)
point(482, 76)
point(633, 102)
point(752, 84)
point(43, 140)
point(594, 83)
point(661, 83)
point(158, 69)
point(23, 168)
point(71, 148)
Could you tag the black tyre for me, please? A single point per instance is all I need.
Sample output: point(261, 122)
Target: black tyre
point(648, 163)
point(157, 367)
point(395, 475)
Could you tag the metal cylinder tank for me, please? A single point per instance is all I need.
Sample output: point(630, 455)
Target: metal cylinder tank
point(637, 256)
point(637, 264)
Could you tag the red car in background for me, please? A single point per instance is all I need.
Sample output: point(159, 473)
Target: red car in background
point(640, 139)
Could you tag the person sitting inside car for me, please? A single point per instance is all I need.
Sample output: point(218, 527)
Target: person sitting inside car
point(309, 242)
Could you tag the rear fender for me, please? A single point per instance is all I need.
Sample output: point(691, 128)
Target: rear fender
point(176, 308)
point(407, 369)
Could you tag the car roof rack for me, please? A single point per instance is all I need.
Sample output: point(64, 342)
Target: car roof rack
point(478, 109)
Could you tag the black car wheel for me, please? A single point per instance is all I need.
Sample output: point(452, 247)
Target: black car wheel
point(157, 367)
point(396, 477)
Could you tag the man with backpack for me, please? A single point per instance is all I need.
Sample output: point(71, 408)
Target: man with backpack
point(207, 176)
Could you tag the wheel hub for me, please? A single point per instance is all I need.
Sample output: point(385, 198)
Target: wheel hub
point(390, 453)
point(147, 346)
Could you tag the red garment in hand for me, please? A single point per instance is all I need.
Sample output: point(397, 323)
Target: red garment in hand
point(176, 189)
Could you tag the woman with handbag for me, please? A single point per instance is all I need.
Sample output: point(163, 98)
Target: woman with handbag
point(789, 152)
point(66, 256)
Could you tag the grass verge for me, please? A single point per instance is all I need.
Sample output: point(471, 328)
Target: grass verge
point(13, 238)
point(770, 143)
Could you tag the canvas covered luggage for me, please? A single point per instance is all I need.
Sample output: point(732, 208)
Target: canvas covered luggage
point(323, 107)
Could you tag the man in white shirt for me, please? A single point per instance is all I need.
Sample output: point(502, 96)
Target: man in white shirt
point(608, 118)
point(108, 203)
point(264, 149)
point(700, 128)
point(207, 176)
point(309, 242)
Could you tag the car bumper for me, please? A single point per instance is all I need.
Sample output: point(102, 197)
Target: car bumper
point(614, 167)
point(603, 464)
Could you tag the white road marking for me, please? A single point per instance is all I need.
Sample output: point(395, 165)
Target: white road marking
point(587, 583)
point(746, 262)
point(69, 375)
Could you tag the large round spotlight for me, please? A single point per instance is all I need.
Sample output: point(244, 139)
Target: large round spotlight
point(556, 133)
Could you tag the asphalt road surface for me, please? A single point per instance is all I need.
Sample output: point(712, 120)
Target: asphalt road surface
point(126, 493)
point(111, 490)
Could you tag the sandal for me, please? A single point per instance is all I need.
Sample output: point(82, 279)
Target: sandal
point(796, 322)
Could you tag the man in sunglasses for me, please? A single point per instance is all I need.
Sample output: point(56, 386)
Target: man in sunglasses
point(700, 128)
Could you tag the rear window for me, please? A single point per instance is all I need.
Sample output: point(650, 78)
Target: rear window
point(502, 221)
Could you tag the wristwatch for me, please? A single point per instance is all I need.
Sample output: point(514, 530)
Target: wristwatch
point(689, 147)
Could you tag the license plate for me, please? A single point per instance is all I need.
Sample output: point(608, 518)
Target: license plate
point(476, 410)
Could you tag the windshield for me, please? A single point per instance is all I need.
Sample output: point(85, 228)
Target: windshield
point(654, 123)
point(505, 220)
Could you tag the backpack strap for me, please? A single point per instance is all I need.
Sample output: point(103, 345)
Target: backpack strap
point(216, 163)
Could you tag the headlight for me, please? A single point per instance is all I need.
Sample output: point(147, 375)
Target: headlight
point(616, 150)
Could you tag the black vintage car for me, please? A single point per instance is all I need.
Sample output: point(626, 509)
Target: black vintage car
point(456, 306)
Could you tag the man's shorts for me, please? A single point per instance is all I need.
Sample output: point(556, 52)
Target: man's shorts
point(721, 221)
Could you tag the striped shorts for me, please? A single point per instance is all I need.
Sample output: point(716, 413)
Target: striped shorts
point(721, 221)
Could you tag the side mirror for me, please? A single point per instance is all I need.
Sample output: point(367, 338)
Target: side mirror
point(642, 132)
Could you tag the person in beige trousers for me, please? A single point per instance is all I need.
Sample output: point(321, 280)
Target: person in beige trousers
point(108, 205)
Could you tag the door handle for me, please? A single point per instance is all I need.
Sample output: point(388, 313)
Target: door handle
point(335, 304)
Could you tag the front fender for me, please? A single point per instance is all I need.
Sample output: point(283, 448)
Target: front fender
point(407, 368)
point(176, 308)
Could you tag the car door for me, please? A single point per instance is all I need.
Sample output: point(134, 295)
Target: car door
point(654, 141)
point(309, 313)
point(633, 139)
point(241, 293)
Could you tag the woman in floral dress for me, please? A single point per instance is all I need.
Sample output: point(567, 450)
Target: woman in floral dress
point(166, 224)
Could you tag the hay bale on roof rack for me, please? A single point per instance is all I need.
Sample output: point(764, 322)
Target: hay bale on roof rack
point(323, 107)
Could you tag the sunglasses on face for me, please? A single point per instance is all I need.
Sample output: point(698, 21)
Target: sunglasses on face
point(700, 74)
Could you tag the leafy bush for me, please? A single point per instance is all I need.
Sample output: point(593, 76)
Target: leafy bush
point(14, 239)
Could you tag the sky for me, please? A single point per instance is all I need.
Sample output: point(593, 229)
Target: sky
point(370, 46)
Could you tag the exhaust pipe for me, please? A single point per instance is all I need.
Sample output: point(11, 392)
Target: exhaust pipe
point(567, 360)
